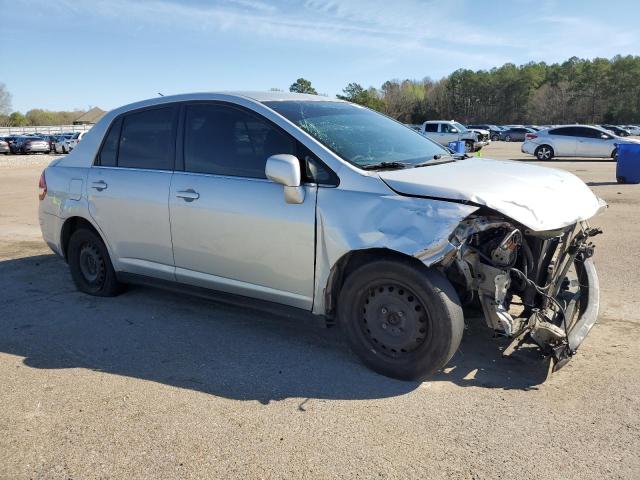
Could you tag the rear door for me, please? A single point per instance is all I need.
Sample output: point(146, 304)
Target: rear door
point(128, 190)
point(564, 141)
point(231, 227)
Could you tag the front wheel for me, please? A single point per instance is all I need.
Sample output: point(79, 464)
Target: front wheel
point(402, 319)
point(507, 138)
point(90, 265)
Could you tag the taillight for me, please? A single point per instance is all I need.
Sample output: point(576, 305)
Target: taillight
point(42, 186)
point(530, 136)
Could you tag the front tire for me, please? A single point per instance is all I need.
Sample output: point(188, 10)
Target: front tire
point(90, 265)
point(402, 319)
point(507, 138)
point(544, 153)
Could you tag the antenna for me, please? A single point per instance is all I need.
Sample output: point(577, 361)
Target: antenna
point(160, 94)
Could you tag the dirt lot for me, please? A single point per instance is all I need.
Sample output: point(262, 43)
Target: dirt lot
point(154, 385)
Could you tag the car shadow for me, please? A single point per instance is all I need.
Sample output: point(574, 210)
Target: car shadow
point(218, 349)
point(601, 184)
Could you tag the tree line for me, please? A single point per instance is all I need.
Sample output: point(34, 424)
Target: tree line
point(34, 117)
point(575, 91)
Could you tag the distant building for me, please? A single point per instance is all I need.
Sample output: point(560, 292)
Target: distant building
point(90, 117)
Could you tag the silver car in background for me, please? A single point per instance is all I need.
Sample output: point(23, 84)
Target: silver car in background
point(326, 208)
point(4, 146)
point(573, 141)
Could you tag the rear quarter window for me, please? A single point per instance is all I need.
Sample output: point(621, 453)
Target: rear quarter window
point(108, 155)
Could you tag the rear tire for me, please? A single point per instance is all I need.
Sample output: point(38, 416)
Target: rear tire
point(468, 146)
point(90, 265)
point(402, 319)
point(544, 153)
point(614, 155)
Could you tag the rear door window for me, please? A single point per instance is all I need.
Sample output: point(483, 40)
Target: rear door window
point(431, 127)
point(148, 139)
point(563, 131)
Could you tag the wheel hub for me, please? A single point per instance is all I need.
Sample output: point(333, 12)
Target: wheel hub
point(91, 264)
point(394, 320)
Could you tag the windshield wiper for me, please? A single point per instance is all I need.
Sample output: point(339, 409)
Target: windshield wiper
point(381, 165)
point(437, 158)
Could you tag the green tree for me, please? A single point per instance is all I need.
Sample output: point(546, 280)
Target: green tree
point(354, 92)
point(16, 119)
point(302, 85)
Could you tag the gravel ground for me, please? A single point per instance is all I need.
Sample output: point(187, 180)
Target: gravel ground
point(155, 385)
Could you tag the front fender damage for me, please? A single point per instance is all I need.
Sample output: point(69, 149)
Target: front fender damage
point(348, 221)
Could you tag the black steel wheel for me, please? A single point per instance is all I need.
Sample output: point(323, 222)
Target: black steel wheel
point(402, 319)
point(393, 318)
point(90, 265)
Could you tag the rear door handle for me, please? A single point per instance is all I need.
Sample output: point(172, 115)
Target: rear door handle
point(100, 185)
point(188, 195)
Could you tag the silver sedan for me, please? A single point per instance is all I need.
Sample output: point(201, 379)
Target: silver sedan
point(573, 141)
point(330, 209)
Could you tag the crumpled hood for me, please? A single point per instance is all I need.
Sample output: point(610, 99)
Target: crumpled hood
point(540, 198)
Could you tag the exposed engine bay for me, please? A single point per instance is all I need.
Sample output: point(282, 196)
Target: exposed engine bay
point(530, 285)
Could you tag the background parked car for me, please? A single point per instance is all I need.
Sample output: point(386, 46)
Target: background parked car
point(10, 139)
point(621, 132)
point(74, 140)
point(494, 130)
point(4, 146)
point(32, 144)
point(51, 140)
point(445, 131)
point(516, 134)
point(61, 145)
point(632, 129)
point(573, 141)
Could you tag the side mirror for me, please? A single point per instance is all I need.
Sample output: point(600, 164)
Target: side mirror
point(285, 170)
point(604, 136)
point(454, 130)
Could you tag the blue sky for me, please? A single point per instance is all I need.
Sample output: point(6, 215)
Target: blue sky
point(72, 54)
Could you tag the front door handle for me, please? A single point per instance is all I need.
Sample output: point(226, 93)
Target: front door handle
point(188, 195)
point(100, 185)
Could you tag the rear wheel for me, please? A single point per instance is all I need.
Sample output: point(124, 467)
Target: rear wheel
point(90, 265)
point(468, 146)
point(614, 154)
point(401, 319)
point(544, 152)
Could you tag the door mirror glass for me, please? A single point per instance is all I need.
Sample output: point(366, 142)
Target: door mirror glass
point(604, 136)
point(285, 170)
point(453, 130)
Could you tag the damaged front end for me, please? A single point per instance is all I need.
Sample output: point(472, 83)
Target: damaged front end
point(530, 285)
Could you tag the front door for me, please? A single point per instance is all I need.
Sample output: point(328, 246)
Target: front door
point(231, 227)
